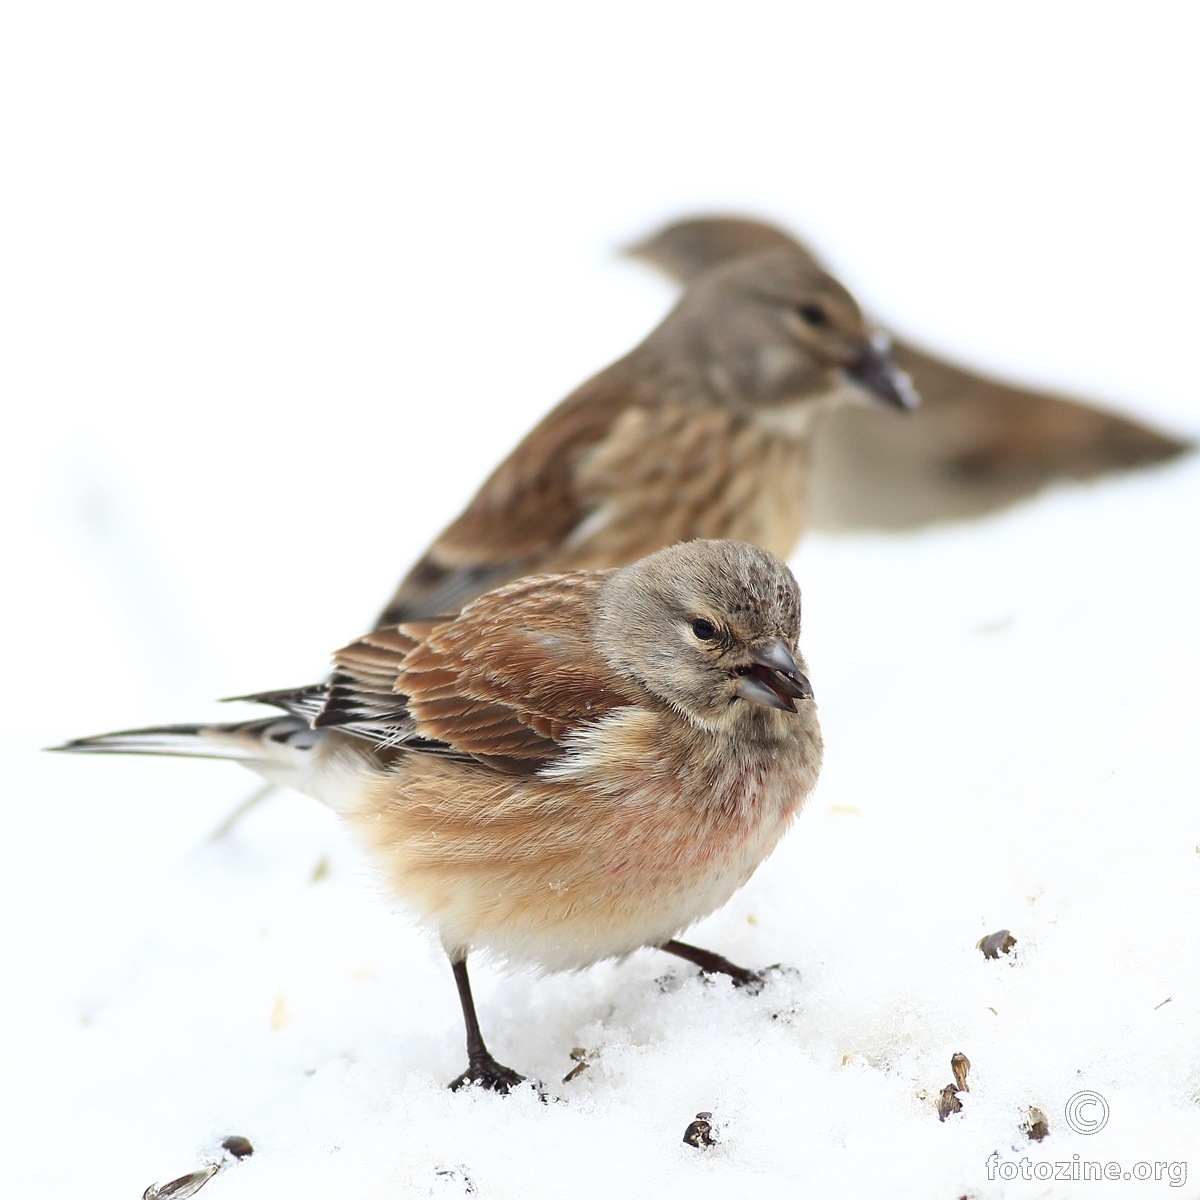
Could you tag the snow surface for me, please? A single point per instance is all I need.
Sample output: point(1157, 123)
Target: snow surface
point(280, 283)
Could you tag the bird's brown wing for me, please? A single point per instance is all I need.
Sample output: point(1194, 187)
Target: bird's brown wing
point(504, 683)
point(361, 693)
point(527, 507)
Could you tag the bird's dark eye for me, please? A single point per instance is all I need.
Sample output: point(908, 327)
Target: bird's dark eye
point(813, 314)
point(704, 630)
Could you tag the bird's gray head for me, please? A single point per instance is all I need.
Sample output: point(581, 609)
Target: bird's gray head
point(771, 328)
point(710, 627)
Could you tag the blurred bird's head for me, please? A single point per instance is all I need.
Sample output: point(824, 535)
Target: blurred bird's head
point(710, 627)
point(772, 328)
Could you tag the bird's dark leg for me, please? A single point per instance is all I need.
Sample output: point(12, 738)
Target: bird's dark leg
point(714, 964)
point(481, 1066)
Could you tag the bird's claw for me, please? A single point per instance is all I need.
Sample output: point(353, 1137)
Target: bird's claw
point(489, 1075)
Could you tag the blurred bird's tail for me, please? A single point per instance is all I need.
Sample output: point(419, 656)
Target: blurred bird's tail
point(686, 249)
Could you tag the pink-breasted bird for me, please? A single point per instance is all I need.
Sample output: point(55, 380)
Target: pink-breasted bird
point(576, 766)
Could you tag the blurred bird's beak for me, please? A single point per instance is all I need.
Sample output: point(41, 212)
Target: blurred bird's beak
point(876, 373)
point(773, 679)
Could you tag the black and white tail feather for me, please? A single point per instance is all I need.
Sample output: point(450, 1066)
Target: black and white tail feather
point(284, 750)
point(306, 749)
point(238, 741)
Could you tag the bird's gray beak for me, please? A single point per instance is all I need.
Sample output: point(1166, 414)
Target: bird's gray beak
point(877, 374)
point(773, 678)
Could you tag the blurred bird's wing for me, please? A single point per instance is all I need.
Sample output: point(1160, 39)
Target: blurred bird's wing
point(528, 506)
point(974, 446)
point(503, 683)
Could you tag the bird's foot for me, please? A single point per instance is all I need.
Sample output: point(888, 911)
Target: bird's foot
point(751, 982)
point(757, 980)
point(490, 1075)
point(709, 963)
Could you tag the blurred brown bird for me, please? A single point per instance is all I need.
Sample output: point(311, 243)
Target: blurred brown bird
point(703, 430)
point(577, 766)
point(975, 444)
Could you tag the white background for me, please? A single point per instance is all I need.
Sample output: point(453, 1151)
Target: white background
point(280, 283)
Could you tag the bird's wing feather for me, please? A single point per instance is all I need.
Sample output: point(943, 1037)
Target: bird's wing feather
point(504, 683)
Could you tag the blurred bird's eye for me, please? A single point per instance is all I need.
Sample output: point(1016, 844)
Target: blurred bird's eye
point(813, 314)
point(704, 630)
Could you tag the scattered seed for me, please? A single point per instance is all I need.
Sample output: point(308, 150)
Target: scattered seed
point(321, 870)
point(948, 1102)
point(181, 1188)
point(960, 1064)
point(996, 944)
point(238, 1146)
point(1036, 1126)
point(700, 1132)
point(456, 1175)
point(582, 1059)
